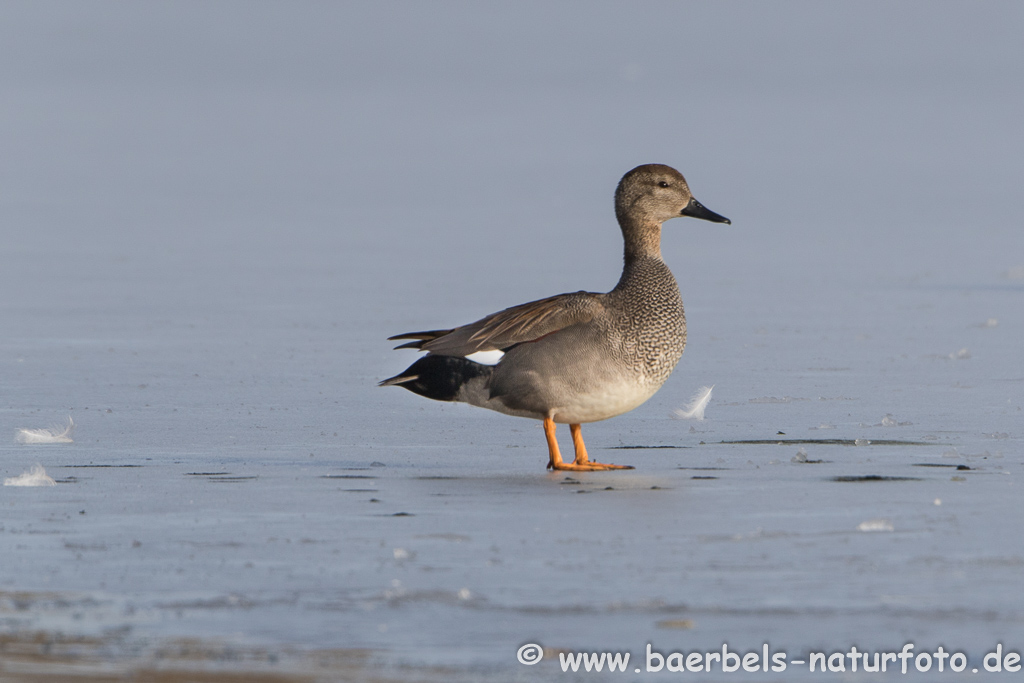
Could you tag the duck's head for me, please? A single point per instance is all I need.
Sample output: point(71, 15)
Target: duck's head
point(654, 193)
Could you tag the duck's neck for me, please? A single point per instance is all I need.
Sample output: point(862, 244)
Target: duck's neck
point(641, 234)
point(642, 237)
point(642, 250)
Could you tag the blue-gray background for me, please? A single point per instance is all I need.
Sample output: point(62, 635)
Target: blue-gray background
point(212, 214)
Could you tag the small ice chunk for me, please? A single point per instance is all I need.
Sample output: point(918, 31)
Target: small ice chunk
point(937, 502)
point(991, 322)
point(56, 434)
point(400, 554)
point(888, 421)
point(36, 476)
point(694, 410)
point(801, 455)
point(1015, 273)
point(862, 442)
point(875, 525)
point(824, 425)
point(465, 594)
point(962, 354)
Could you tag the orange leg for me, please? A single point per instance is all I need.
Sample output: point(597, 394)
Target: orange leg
point(582, 463)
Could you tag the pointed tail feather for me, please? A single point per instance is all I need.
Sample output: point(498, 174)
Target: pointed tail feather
point(397, 380)
point(420, 337)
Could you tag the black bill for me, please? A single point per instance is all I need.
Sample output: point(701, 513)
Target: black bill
point(697, 210)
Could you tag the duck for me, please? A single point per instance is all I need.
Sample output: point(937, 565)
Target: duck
point(579, 357)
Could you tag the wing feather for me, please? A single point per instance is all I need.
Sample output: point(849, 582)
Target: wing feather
point(501, 330)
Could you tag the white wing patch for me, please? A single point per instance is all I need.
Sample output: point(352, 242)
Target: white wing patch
point(486, 357)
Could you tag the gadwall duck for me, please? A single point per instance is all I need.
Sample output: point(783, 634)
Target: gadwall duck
point(579, 357)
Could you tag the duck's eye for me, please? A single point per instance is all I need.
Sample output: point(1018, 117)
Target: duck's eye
point(662, 184)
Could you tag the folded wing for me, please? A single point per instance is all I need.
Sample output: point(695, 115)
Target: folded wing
point(503, 330)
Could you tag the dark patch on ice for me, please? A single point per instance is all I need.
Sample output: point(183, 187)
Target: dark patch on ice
point(206, 474)
point(233, 479)
point(437, 477)
point(643, 607)
point(36, 654)
point(941, 464)
point(403, 514)
point(698, 476)
point(637, 448)
point(872, 477)
point(84, 546)
point(346, 476)
point(829, 442)
point(360, 490)
point(217, 603)
point(704, 469)
point(91, 465)
point(69, 480)
point(206, 544)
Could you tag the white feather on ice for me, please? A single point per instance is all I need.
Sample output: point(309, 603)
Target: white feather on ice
point(57, 434)
point(694, 410)
point(36, 476)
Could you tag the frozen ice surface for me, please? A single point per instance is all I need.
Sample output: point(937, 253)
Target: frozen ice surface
point(215, 214)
